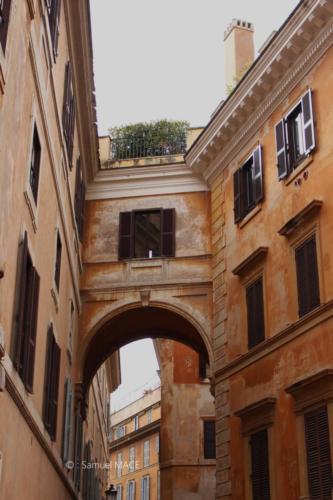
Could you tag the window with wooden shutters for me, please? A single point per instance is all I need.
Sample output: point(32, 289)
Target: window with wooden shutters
point(79, 202)
point(146, 453)
point(25, 326)
point(130, 490)
point(248, 185)
point(57, 267)
point(307, 276)
point(67, 425)
point(53, 9)
point(209, 439)
point(145, 487)
point(260, 465)
point(51, 384)
point(295, 136)
point(131, 461)
point(68, 113)
point(35, 164)
point(255, 313)
point(4, 21)
point(318, 452)
point(147, 234)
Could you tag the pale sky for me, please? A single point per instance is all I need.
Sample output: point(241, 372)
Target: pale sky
point(158, 59)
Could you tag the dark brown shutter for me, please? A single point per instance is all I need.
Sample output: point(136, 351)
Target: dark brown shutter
point(54, 389)
point(260, 466)
point(281, 153)
point(125, 246)
point(209, 439)
point(57, 269)
point(31, 330)
point(21, 288)
point(71, 126)
point(258, 187)
point(53, 7)
point(4, 22)
point(47, 410)
point(168, 227)
point(255, 313)
point(318, 453)
point(78, 451)
point(308, 122)
point(66, 100)
point(238, 195)
point(307, 276)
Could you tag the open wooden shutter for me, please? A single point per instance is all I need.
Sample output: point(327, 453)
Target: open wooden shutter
point(47, 409)
point(54, 19)
point(54, 389)
point(209, 439)
point(125, 246)
point(281, 150)
point(258, 187)
point(31, 330)
point(78, 451)
point(308, 122)
point(307, 276)
point(259, 466)
point(71, 126)
point(4, 22)
point(66, 99)
point(67, 426)
point(148, 487)
point(21, 283)
point(238, 195)
point(255, 313)
point(168, 228)
point(318, 453)
point(142, 496)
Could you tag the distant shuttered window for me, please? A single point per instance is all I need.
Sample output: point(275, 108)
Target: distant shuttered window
point(68, 112)
point(248, 185)
point(57, 267)
point(147, 234)
point(119, 465)
point(136, 422)
point(79, 202)
point(295, 136)
point(255, 313)
point(145, 488)
point(35, 164)
point(4, 21)
point(53, 9)
point(68, 421)
point(146, 453)
point(307, 276)
point(209, 439)
point(25, 325)
point(130, 490)
point(131, 462)
point(260, 465)
point(51, 384)
point(318, 452)
point(119, 492)
point(149, 415)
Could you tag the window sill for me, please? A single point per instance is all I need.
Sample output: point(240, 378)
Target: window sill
point(250, 215)
point(31, 207)
point(299, 169)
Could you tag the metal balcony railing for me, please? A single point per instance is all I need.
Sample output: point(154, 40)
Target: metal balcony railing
point(141, 147)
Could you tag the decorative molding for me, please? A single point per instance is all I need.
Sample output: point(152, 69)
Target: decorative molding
point(145, 297)
point(244, 267)
point(314, 389)
point(133, 436)
point(291, 332)
point(308, 211)
point(144, 181)
point(256, 415)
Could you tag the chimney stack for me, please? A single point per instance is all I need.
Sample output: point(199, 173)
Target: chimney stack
point(238, 51)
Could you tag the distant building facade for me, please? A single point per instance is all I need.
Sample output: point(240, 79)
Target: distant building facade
point(134, 448)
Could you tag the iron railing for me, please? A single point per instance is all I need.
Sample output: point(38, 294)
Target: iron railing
point(142, 147)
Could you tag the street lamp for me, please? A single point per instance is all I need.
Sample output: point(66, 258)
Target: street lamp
point(111, 492)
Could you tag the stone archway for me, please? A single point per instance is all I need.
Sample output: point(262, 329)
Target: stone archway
point(134, 322)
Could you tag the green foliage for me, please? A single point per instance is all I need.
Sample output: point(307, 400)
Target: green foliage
point(158, 138)
point(238, 77)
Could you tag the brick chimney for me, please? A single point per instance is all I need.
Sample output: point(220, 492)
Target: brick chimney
point(238, 50)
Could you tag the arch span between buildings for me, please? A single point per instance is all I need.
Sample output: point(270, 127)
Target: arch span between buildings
point(138, 322)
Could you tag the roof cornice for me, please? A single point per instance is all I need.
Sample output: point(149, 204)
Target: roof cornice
point(144, 181)
point(295, 48)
